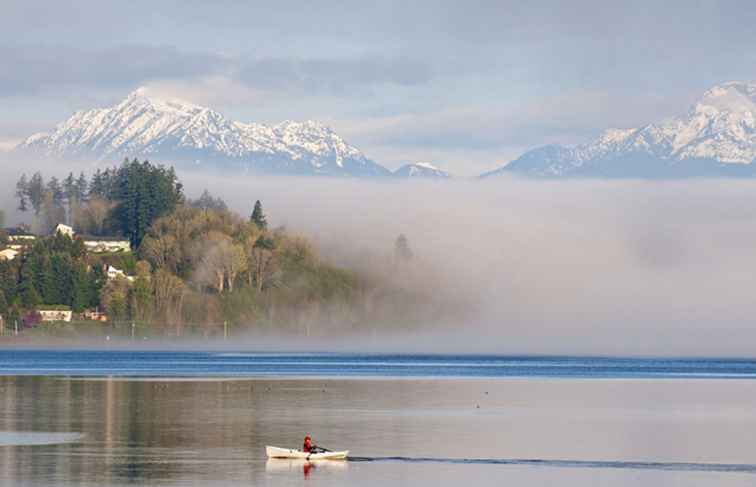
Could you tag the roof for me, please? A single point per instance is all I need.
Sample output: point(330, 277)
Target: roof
point(97, 238)
point(18, 232)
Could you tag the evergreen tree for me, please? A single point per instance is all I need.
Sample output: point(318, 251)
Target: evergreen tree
point(55, 188)
point(402, 250)
point(69, 187)
point(80, 288)
point(35, 192)
point(82, 188)
point(3, 304)
point(208, 202)
point(97, 187)
point(143, 193)
point(22, 191)
point(258, 217)
point(26, 290)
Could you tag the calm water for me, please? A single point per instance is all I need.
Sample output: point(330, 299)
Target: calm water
point(236, 364)
point(203, 419)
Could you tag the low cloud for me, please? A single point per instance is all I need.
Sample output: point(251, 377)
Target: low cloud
point(578, 267)
point(332, 76)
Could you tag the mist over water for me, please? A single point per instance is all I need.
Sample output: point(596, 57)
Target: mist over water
point(527, 267)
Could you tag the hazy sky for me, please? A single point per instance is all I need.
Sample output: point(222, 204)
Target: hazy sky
point(466, 85)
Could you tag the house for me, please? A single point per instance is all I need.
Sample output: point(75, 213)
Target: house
point(65, 230)
point(19, 238)
point(55, 313)
point(114, 273)
point(103, 245)
point(97, 244)
point(94, 315)
point(8, 254)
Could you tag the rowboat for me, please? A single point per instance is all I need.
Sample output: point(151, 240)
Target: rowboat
point(276, 452)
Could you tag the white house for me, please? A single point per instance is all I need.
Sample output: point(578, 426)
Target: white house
point(96, 244)
point(8, 254)
point(19, 238)
point(101, 245)
point(65, 230)
point(55, 314)
point(114, 273)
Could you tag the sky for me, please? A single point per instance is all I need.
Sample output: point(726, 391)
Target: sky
point(467, 86)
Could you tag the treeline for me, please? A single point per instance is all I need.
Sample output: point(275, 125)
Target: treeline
point(120, 201)
point(194, 263)
point(55, 271)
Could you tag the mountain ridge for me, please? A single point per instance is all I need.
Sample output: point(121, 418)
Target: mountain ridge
point(172, 130)
point(716, 137)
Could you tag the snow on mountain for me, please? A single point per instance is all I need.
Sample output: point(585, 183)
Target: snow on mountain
point(717, 137)
point(183, 133)
point(422, 170)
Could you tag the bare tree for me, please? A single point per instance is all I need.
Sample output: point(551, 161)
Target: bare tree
point(222, 260)
point(161, 251)
point(263, 261)
point(169, 291)
point(92, 215)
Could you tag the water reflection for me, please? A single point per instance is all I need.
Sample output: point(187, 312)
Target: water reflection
point(278, 466)
point(214, 433)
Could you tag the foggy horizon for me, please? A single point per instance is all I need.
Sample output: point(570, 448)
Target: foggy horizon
point(582, 267)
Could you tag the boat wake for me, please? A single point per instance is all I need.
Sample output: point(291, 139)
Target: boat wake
point(597, 464)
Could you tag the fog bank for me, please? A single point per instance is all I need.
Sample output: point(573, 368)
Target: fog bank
point(570, 267)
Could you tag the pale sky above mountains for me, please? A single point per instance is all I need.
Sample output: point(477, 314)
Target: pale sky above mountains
point(467, 87)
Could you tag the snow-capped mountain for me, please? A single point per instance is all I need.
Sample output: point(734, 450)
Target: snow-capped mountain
point(421, 170)
point(173, 131)
point(716, 138)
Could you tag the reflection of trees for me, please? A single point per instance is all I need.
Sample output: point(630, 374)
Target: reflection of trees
point(133, 430)
point(153, 432)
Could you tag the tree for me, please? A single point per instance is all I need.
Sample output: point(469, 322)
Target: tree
point(168, 291)
point(402, 251)
point(258, 217)
point(221, 263)
point(35, 192)
point(56, 190)
point(143, 193)
point(22, 191)
point(52, 213)
point(141, 292)
point(263, 264)
point(82, 187)
point(93, 215)
point(161, 251)
point(208, 202)
point(81, 283)
point(114, 296)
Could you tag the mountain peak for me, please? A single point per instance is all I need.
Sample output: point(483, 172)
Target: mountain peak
point(144, 125)
point(717, 137)
point(421, 170)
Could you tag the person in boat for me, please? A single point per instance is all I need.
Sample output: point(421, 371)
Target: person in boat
point(309, 446)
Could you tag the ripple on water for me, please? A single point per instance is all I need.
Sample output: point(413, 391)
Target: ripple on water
point(28, 438)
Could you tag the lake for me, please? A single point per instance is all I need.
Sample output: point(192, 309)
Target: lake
point(113, 418)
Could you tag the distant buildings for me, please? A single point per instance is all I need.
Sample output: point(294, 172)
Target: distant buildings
point(65, 230)
point(106, 245)
point(8, 254)
point(55, 313)
point(114, 273)
point(19, 238)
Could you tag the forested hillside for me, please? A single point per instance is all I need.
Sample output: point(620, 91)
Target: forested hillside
point(194, 263)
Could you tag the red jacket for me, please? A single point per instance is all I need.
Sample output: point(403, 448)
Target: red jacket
point(307, 445)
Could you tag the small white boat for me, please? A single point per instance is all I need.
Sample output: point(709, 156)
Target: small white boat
point(275, 452)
